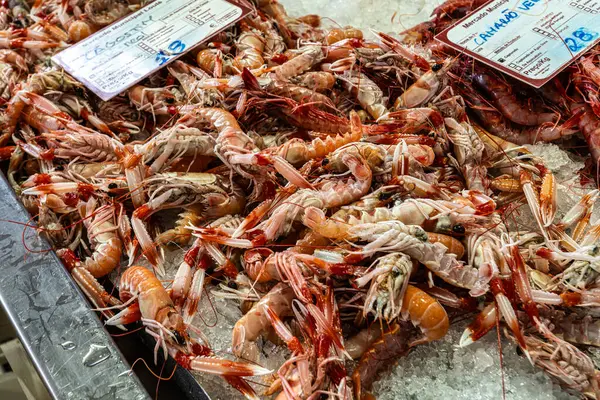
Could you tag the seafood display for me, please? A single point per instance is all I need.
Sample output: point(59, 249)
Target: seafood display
point(354, 196)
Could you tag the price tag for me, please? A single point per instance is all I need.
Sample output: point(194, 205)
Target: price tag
point(531, 40)
point(122, 54)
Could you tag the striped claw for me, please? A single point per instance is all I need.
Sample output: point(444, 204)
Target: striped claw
point(222, 367)
point(548, 205)
point(482, 324)
point(149, 249)
point(292, 342)
point(126, 316)
point(57, 188)
point(217, 236)
point(242, 386)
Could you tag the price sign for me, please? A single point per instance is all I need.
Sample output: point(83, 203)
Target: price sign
point(122, 54)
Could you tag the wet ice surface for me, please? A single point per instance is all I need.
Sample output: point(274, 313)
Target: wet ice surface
point(443, 370)
point(390, 16)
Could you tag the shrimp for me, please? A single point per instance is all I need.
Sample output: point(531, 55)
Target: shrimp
point(564, 362)
point(24, 43)
point(410, 213)
point(157, 101)
point(283, 213)
point(299, 94)
point(250, 46)
point(173, 143)
point(80, 108)
point(424, 88)
point(181, 234)
point(319, 81)
point(275, 10)
point(79, 30)
point(12, 70)
point(426, 313)
point(105, 12)
point(189, 279)
point(468, 149)
point(405, 52)
point(102, 230)
point(495, 123)
point(211, 195)
point(236, 149)
point(309, 117)
point(308, 56)
point(337, 34)
point(507, 102)
point(192, 81)
point(37, 111)
point(365, 204)
point(273, 42)
point(392, 344)
point(153, 306)
point(589, 124)
point(256, 322)
point(389, 280)
point(546, 132)
point(590, 69)
point(413, 240)
point(368, 94)
point(101, 225)
point(573, 327)
point(413, 120)
point(88, 146)
point(298, 152)
point(327, 194)
point(210, 61)
point(13, 58)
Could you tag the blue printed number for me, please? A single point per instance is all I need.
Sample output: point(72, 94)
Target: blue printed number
point(161, 58)
point(573, 44)
point(584, 35)
point(175, 48)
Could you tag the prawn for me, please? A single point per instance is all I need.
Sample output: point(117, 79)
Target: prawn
point(101, 225)
point(425, 312)
point(507, 102)
point(256, 322)
point(424, 88)
point(153, 306)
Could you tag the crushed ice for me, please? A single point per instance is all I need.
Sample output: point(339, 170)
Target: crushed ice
point(444, 370)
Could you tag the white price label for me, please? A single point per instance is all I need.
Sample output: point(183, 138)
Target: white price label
point(118, 56)
point(531, 40)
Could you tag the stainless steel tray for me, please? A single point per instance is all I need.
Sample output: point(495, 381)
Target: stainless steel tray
point(73, 353)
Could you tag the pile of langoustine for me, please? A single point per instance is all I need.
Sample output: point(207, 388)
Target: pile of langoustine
point(351, 193)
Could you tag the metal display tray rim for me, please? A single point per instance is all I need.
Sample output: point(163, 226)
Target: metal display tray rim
point(53, 319)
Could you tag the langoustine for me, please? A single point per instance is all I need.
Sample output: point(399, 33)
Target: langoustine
point(335, 163)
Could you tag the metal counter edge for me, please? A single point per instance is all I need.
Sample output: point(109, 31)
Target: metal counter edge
point(74, 355)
